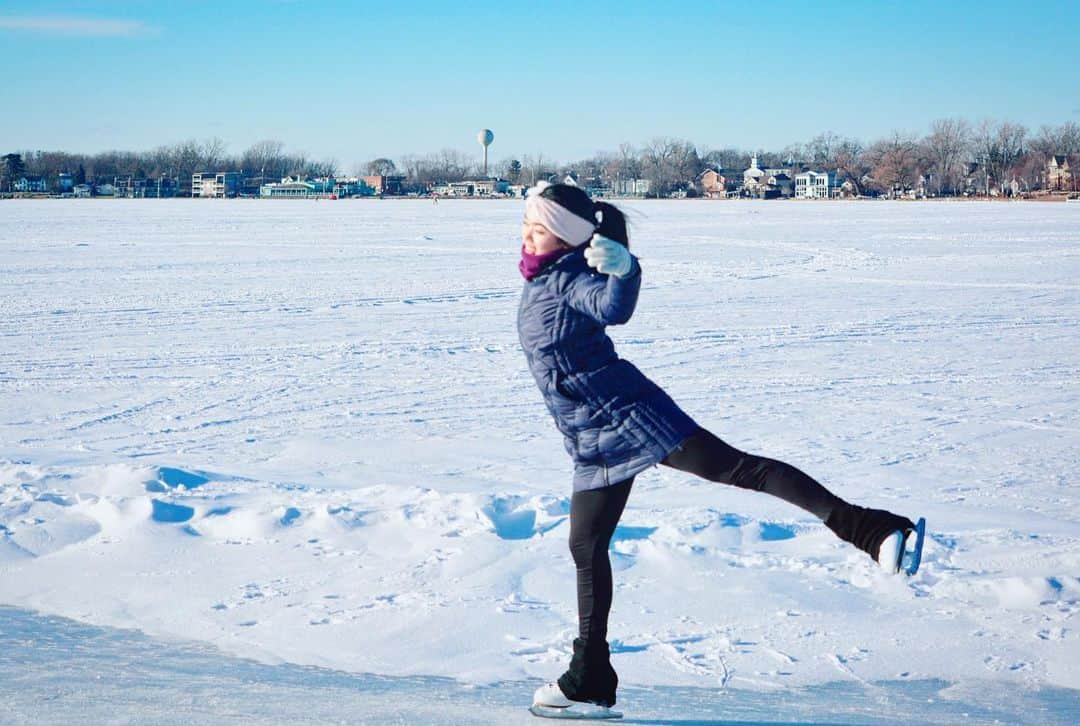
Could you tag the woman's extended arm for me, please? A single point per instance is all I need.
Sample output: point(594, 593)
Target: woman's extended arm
point(607, 299)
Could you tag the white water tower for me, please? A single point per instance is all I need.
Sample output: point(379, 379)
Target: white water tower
point(485, 137)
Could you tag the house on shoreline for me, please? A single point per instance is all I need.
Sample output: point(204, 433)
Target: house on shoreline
point(715, 185)
point(326, 187)
point(385, 185)
point(484, 187)
point(767, 183)
point(816, 185)
point(31, 185)
point(1060, 175)
point(216, 185)
point(131, 188)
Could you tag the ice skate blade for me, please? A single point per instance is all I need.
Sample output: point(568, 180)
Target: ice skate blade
point(911, 558)
point(579, 711)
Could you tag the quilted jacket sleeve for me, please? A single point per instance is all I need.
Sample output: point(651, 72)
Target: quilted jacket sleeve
point(607, 299)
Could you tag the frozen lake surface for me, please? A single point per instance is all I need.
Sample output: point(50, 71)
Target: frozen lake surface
point(304, 434)
point(55, 670)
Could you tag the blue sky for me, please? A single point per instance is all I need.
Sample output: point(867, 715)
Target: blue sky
point(352, 81)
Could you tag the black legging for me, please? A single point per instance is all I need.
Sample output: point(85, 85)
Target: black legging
point(711, 458)
point(595, 513)
point(593, 516)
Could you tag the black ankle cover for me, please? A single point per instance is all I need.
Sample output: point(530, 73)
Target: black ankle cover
point(866, 528)
point(590, 678)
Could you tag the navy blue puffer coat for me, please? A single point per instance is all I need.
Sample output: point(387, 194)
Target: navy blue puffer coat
point(615, 422)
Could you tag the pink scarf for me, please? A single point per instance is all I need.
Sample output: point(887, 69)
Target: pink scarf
point(531, 265)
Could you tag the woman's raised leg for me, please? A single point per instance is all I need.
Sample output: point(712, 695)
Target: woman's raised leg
point(711, 458)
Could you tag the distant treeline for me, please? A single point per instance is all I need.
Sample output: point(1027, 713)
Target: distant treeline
point(942, 161)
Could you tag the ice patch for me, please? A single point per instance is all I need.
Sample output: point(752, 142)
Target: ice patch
point(169, 513)
point(624, 533)
point(773, 532)
point(170, 478)
point(510, 519)
point(514, 517)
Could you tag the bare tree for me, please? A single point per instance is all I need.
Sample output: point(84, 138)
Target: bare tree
point(623, 166)
point(213, 152)
point(728, 158)
point(179, 161)
point(380, 167)
point(945, 148)
point(594, 168)
point(793, 155)
point(629, 161)
point(1058, 140)
point(326, 167)
point(669, 164)
point(822, 149)
point(265, 158)
point(998, 146)
point(534, 169)
point(411, 165)
point(851, 162)
point(895, 163)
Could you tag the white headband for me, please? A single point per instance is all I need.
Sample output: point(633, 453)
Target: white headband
point(569, 227)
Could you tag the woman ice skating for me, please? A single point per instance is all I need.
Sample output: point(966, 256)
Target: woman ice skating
point(580, 277)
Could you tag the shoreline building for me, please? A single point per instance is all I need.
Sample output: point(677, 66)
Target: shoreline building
point(816, 185)
point(161, 188)
point(326, 187)
point(631, 187)
point(385, 185)
point(31, 185)
point(473, 188)
point(767, 183)
point(714, 185)
point(220, 185)
point(288, 188)
point(1059, 174)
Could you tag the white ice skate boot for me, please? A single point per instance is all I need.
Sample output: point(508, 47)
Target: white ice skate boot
point(891, 552)
point(894, 557)
point(549, 702)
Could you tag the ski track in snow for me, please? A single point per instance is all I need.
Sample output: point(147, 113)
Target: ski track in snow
point(305, 433)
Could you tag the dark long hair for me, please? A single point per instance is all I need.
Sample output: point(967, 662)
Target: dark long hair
point(574, 199)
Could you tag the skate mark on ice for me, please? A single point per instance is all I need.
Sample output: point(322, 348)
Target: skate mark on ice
point(676, 653)
point(843, 664)
point(125, 413)
point(449, 297)
point(781, 656)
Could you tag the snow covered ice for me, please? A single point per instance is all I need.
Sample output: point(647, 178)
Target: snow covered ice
point(303, 433)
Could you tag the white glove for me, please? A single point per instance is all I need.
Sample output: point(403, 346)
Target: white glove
point(609, 257)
